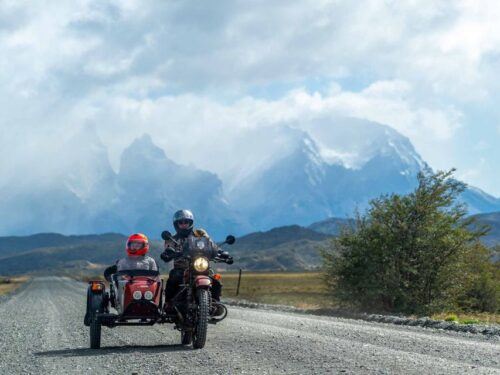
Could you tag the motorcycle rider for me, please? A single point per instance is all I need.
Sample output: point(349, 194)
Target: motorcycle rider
point(137, 247)
point(183, 221)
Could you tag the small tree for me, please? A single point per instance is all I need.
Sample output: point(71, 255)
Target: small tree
point(405, 254)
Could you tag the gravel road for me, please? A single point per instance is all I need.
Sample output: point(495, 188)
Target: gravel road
point(42, 332)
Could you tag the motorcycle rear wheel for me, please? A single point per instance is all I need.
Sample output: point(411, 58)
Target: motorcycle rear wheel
point(186, 338)
point(200, 332)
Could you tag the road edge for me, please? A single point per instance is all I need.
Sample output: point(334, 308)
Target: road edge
point(426, 322)
point(8, 295)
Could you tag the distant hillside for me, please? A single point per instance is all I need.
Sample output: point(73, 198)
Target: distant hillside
point(331, 226)
point(17, 244)
point(493, 221)
point(260, 241)
point(284, 248)
point(55, 253)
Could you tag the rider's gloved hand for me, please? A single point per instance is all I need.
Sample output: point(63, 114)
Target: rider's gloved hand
point(168, 254)
point(230, 260)
point(223, 254)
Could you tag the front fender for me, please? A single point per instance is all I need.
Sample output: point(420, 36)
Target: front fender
point(202, 282)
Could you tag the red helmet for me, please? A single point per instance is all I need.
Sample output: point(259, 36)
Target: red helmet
point(137, 244)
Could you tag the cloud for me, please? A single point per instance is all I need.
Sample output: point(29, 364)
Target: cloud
point(190, 126)
point(208, 69)
point(232, 46)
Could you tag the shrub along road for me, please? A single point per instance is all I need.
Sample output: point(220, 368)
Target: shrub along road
point(42, 332)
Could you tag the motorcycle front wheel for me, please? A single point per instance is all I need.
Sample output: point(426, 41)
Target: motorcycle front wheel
point(200, 332)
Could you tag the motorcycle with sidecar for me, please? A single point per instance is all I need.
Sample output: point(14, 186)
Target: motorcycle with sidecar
point(137, 296)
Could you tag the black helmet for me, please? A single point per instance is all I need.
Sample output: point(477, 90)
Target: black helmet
point(182, 215)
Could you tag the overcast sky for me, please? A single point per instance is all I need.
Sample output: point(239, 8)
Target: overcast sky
point(427, 68)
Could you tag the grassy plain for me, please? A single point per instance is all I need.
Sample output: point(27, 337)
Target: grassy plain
point(8, 285)
point(300, 289)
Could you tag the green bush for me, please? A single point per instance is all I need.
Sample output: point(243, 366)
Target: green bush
point(410, 253)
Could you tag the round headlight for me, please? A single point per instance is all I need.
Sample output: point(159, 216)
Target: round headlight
point(148, 294)
point(137, 294)
point(200, 264)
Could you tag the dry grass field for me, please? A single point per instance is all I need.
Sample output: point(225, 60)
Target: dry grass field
point(300, 289)
point(8, 285)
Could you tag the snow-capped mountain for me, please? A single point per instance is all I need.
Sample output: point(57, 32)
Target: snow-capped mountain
point(284, 174)
point(85, 195)
point(152, 187)
point(354, 142)
point(330, 170)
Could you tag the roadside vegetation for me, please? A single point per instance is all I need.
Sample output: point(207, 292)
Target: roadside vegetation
point(300, 289)
point(307, 290)
point(9, 284)
point(415, 254)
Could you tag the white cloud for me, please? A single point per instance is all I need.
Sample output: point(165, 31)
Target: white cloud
point(227, 46)
point(161, 67)
point(190, 126)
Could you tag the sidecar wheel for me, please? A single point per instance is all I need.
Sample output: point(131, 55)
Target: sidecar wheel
point(96, 305)
point(95, 333)
point(200, 332)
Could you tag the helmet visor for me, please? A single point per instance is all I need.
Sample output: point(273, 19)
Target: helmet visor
point(136, 245)
point(184, 223)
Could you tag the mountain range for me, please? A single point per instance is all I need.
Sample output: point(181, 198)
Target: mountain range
point(288, 174)
point(286, 248)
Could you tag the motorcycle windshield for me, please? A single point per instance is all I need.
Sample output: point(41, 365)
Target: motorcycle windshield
point(198, 246)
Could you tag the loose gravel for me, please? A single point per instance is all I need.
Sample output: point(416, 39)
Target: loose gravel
point(489, 330)
point(42, 332)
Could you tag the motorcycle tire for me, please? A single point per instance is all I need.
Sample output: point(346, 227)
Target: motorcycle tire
point(200, 332)
point(186, 338)
point(88, 312)
point(95, 321)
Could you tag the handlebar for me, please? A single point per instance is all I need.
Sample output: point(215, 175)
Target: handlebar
point(222, 256)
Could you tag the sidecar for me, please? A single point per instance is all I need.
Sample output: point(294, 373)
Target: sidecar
point(136, 295)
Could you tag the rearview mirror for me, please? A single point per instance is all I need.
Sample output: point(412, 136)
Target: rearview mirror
point(230, 239)
point(166, 235)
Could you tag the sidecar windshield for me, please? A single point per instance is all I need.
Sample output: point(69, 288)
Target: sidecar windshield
point(134, 273)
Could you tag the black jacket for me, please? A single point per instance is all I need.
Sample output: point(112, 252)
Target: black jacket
point(182, 263)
